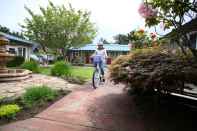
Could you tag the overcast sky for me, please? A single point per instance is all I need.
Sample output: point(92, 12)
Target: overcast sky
point(111, 16)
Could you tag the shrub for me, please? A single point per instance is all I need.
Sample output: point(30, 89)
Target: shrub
point(61, 69)
point(16, 62)
point(153, 68)
point(9, 110)
point(31, 65)
point(38, 95)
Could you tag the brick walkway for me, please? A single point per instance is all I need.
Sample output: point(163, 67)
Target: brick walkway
point(105, 109)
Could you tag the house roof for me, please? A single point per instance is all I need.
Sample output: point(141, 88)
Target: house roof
point(108, 47)
point(189, 27)
point(20, 40)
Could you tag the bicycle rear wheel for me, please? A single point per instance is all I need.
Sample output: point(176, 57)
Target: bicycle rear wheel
point(96, 79)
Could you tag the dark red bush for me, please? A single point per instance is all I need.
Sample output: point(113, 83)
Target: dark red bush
point(154, 68)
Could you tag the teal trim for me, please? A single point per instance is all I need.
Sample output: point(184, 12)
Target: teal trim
point(108, 47)
point(18, 40)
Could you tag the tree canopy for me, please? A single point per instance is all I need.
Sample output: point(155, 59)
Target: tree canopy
point(104, 41)
point(121, 39)
point(59, 27)
point(172, 14)
point(14, 33)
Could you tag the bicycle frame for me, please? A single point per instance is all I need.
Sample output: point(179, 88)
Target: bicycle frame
point(96, 79)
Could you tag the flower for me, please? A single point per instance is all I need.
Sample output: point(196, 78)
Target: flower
point(141, 31)
point(147, 11)
point(153, 36)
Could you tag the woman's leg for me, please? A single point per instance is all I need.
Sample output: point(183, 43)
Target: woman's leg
point(95, 65)
point(101, 66)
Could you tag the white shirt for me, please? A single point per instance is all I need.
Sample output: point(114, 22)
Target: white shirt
point(102, 53)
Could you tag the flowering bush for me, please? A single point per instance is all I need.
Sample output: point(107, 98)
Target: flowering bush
point(141, 39)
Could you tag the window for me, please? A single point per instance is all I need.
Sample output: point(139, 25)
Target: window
point(24, 52)
point(193, 40)
point(20, 51)
point(12, 51)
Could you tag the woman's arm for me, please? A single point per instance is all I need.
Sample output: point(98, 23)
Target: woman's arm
point(105, 54)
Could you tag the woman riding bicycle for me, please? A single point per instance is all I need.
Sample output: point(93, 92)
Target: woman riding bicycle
point(99, 58)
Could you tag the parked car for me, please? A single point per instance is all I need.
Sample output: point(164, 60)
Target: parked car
point(48, 57)
point(43, 58)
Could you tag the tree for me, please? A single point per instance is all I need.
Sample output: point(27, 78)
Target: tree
point(59, 27)
point(104, 41)
point(14, 33)
point(173, 14)
point(121, 39)
point(4, 29)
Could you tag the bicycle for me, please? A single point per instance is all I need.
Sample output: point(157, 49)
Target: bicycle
point(97, 78)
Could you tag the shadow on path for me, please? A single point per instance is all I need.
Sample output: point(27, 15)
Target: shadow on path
point(109, 108)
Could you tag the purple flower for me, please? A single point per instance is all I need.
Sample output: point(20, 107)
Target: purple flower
point(147, 11)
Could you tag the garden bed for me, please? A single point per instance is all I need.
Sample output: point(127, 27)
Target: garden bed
point(26, 113)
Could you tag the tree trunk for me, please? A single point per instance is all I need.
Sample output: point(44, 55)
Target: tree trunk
point(182, 48)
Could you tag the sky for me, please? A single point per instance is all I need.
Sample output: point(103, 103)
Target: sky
point(111, 17)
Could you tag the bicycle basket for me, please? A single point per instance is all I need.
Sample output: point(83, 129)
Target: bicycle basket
point(97, 58)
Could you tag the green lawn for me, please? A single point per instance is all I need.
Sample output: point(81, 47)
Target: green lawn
point(81, 71)
point(45, 70)
point(85, 72)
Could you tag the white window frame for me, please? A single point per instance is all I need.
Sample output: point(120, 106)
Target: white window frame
point(196, 41)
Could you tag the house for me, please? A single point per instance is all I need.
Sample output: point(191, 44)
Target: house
point(190, 29)
point(83, 54)
point(19, 46)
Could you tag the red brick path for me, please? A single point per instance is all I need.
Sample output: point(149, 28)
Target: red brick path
point(105, 109)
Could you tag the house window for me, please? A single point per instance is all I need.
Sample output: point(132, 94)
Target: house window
point(12, 51)
point(196, 41)
point(24, 52)
point(20, 51)
point(193, 40)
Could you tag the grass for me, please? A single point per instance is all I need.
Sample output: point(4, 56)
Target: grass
point(85, 72)
point(45, 70)
point(78, 71)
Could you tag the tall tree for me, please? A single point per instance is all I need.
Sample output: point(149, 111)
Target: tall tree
point(121, 39)
point(173, 14)
point(4, 29)
point(104, 41)
point(59, 27)
point(14, 33)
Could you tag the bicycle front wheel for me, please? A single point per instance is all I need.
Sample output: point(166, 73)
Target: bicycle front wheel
point(96, 79)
